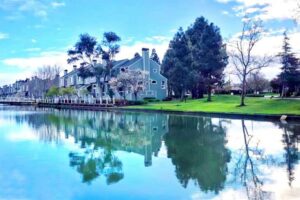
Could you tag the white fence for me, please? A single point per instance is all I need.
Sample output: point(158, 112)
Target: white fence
point(65, 100)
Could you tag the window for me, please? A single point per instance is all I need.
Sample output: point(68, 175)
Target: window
point(163, 85)
point(153, 81)
point(155, 70)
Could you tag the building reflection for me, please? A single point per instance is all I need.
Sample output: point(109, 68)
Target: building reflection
point(99, 135)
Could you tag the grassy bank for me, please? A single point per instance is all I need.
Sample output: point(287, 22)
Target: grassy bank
point(229, 104)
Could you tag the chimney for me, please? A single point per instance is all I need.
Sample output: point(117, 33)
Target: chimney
point(94, 62)
point(74, 67)
point(65, 72)
point(146, 62)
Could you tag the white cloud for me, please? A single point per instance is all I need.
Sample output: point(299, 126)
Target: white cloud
point(39, 8)
point(57, 4)
point(45, 58)
point(225, 12)
point(129, 50)
point(158, 38)
point(265, 9)
point(22, 137)
point(11, 77)
point(27, 66)
point(3, 36)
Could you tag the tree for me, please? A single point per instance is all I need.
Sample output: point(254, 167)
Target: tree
point(276, 85)
point(131, 81)
point(137, 55)
point(47, 74)
point(256, 82)
point(297, 12)
point(87, 51)
point(154, 56)
point(290, 75)
point(109, 49)
point(176, 64)
point(84, 51)
point(68, 91)
point(242, 55)
point(53, 91)
point(208, 52)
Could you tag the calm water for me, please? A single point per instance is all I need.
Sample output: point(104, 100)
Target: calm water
point(51, 154)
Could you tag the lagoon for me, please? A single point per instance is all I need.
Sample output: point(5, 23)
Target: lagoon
point(70, 154)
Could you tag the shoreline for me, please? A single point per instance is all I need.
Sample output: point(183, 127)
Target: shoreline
point(260, 117)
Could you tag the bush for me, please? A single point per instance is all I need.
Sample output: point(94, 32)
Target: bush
point(150, 99)
point(120, 102)
point(167, 99)
point(255, 95)
point(135, 103)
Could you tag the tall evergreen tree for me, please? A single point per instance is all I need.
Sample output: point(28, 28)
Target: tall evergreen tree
point(176, 64)
point(154, 56)
point(290, 75)
point(208, 52)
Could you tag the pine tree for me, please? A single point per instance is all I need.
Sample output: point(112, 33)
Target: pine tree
point(208, 52)
point(290, 74)
point(176, 64)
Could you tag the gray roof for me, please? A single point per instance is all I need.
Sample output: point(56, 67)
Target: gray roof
point(116, 65)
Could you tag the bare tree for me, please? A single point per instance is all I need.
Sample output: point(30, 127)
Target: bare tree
point(48, 72)
point(47, 75)
point(242, 55)
point(297, 12)
point(256, 82)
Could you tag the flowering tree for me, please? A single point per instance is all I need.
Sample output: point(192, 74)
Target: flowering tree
point(131, 81)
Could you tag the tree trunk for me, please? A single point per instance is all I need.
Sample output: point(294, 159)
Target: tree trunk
point(243, 92)
point(135, 96)
point(169, 91)
point(283, 91)
point(209, 93)
point(182, 95)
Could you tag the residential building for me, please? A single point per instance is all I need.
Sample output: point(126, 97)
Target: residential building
point(155, 85)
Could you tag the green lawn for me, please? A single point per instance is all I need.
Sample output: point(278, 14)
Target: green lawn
point(229, 104)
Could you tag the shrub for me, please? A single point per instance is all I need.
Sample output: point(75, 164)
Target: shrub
point(255, 95)
point(150, 99)
point(167, 99)
point(120, 102)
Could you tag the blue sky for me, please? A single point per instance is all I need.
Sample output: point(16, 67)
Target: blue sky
point(38, 32)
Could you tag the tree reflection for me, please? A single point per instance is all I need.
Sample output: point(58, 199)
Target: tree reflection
point(99, 135)
point(248, 167)
point(91, 166)
point(291, 138)
point(197, 149)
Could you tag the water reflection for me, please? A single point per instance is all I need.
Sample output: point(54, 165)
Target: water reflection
point(291, 139)
point(197, 149)
point(196, 146)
